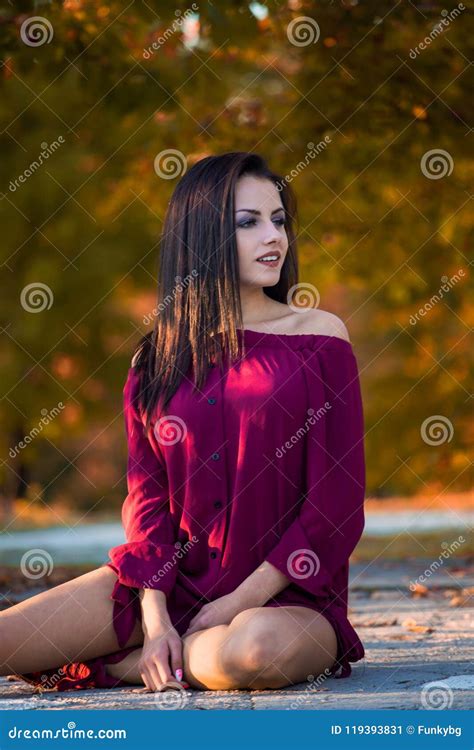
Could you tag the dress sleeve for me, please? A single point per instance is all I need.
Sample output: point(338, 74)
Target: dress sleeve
point(330, 519)
point(147, 559)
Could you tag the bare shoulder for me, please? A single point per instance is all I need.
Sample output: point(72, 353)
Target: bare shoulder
point(308, 321)
point(323, 323)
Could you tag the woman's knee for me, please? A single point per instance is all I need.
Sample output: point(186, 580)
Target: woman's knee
point(270, 649)
point(250, 649)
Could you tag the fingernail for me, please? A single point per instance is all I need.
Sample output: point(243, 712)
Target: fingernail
point(179, 674)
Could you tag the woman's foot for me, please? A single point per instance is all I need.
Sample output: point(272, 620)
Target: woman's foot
point(127, 669)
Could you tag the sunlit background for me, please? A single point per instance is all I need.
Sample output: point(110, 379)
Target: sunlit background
point(364, 107)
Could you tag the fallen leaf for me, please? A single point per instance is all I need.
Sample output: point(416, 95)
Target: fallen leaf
point(413, 627)
point(420, 629)
point(462, 598)
point(419, 590)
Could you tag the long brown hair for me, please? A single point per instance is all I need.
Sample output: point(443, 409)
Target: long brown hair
point(198, 277)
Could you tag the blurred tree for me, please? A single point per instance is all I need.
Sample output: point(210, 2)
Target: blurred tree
point(92, 92)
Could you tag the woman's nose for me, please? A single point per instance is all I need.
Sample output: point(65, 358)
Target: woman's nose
point(270, 233)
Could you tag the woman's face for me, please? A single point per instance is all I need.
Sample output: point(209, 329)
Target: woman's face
point(260, 231)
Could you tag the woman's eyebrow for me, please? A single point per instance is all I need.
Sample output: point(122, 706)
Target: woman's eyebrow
point(254, 211)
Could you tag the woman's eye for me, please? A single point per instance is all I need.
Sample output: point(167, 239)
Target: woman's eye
point(251, 222)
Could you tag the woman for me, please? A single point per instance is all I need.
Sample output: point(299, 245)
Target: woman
point(246, 472)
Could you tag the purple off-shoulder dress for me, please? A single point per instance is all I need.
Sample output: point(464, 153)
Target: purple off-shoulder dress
point(265, 463)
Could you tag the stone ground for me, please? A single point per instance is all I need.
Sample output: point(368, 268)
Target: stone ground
point(411, 640)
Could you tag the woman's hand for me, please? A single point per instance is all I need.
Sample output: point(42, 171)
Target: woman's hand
point(161, 662)
point(219, 612)
point(162, 656)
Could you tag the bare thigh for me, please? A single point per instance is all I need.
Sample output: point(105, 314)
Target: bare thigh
point(70, 622)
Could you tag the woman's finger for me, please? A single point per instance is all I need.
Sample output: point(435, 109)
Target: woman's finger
point(194, 625)
point(155, 677)
point(163, 668)
point(176, 658)
point(146, 679)
point(194, 628)
point(197, 617)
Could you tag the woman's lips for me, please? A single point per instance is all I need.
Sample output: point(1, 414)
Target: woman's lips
point(270, 263)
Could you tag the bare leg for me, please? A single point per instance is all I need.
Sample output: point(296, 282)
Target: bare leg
point(263, 647)
point(127, 669)
point(70, 622)
point(201, 654)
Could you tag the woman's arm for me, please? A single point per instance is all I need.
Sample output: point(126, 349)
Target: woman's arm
point(147, 561)
point(315, 548)
point(162, 653)
point(266, 581)
point(154, 612)
point(148, 558)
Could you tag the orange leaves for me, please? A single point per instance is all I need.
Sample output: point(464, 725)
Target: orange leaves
point(413, 626)
point(419, 112)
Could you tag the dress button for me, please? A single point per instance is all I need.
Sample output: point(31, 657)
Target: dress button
point(215, 456)
point(213, 555)
point(211, 400)
point(218, 504)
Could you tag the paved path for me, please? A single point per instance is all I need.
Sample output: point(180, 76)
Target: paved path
point(410, 641)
